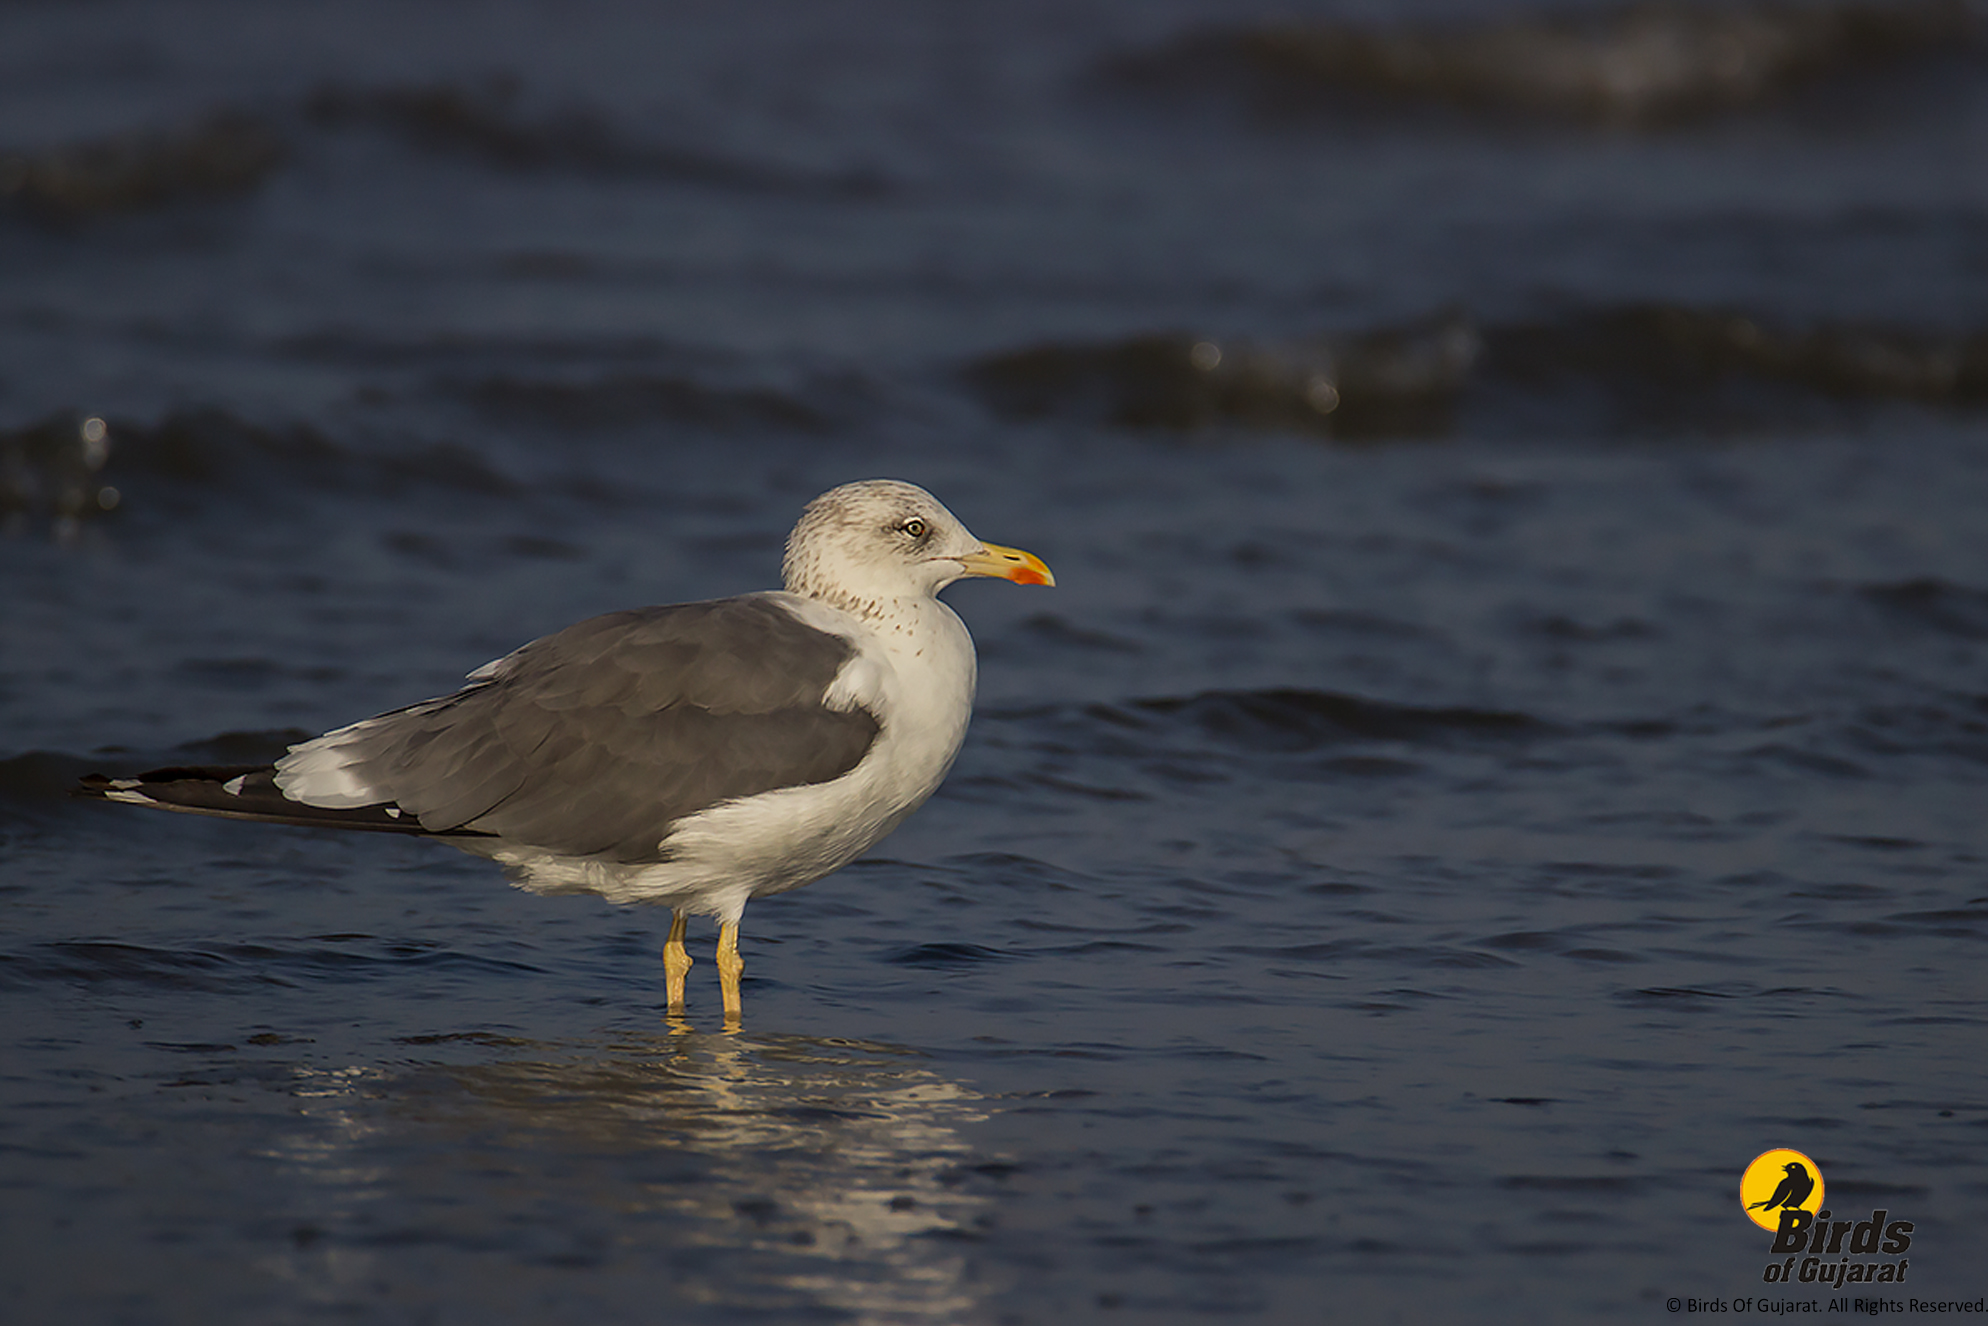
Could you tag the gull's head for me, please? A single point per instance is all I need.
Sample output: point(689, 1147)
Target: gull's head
point(867, 543)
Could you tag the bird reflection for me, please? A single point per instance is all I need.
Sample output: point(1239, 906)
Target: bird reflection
point(800, 1171)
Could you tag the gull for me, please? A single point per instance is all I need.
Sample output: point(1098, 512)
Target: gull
point(694, 756)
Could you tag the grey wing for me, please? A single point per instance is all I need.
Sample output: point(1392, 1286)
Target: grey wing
point(593, 741)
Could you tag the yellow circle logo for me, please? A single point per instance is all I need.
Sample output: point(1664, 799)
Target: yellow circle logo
point(1780, 1180)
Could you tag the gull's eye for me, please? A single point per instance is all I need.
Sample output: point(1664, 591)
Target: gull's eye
point(914, 527)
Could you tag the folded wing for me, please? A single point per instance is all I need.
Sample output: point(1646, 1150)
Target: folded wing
point(590, 742)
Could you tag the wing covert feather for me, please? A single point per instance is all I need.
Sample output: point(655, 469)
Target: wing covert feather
point(595, 740)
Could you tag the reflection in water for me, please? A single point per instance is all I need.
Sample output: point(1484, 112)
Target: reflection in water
point(771, 1172)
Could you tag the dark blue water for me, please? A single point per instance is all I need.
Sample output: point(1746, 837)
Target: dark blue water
point(1508, 745)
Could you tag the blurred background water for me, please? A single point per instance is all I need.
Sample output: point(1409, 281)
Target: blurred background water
point(1507, 746)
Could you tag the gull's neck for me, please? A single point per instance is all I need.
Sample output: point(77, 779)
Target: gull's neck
point(878, 600)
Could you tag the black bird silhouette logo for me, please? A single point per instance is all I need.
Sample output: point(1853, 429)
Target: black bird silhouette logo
point(1793, 1190)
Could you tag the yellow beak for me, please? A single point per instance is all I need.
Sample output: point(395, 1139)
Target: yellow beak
point(1024, 568)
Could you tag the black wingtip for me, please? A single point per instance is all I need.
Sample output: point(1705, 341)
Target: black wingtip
point(100, 787)
point(247, 792)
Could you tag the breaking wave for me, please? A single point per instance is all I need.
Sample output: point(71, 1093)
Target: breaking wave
point(1650, 364)
point(1647, 64)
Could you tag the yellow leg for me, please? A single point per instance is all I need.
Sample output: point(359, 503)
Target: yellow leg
point(729, 967)
point(676, 963)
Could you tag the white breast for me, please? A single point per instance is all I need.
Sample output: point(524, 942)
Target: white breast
point(914, 669)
